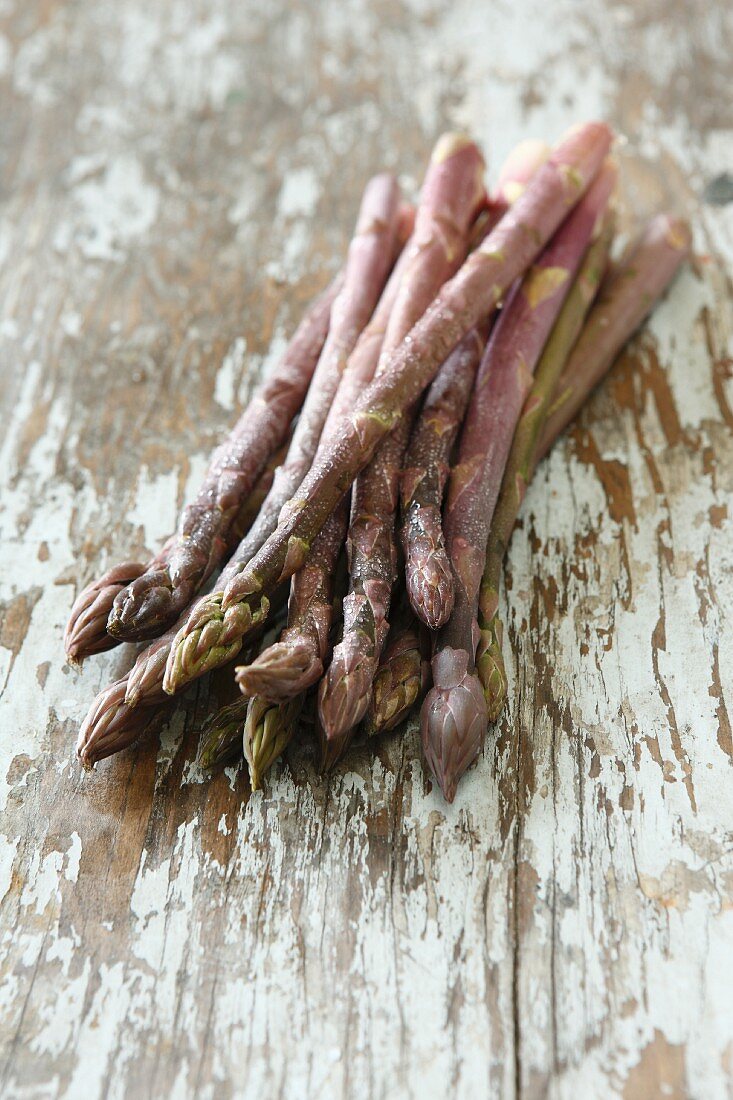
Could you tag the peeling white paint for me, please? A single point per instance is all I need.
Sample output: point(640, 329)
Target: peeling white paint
point(360, 924)
point(115, 210)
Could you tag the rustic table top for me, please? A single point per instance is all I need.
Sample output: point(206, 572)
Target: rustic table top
point(177, 179)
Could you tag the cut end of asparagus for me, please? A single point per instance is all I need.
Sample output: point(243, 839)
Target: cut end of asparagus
point(144, 608)
point(221, 736)
point(282, 671)
point(268, 730)
point(86, 630)
point(346, 689)
point(453, 719)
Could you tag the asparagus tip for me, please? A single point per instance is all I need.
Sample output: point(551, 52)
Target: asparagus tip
point(453, 719)
point(281, 671)
point(430, 589)
point(144, 608)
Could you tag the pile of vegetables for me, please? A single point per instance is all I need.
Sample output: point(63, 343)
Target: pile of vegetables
point(399, 432)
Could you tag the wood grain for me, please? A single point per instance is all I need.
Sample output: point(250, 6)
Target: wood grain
point(178, 179)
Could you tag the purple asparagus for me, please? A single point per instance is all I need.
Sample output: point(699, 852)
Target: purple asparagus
point(297, 659)
point(425, 469)
point(454, 713)
point(257, 434)
point(625, 300)
point(154, 600)
point(452, 192)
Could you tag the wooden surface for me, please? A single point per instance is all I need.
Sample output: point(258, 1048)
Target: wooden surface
point(178, 177)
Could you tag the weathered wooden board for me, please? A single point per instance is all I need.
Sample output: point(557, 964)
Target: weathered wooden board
point(177, 179)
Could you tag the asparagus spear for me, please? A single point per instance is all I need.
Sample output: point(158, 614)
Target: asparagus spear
point(155, 600)
point(327, 382)
point(623, 305)
point(86, 631)
point(297, 659)
point(403, 675)
point(257, 434)
point(631, 294)
point(516, 172)
point(424, 474)
point(268, 729)
point(452, 191)
point(221, 736)
point(426, 466)
point(130, 708)
point(453, 719)
point(482, 281)
point(110, 725)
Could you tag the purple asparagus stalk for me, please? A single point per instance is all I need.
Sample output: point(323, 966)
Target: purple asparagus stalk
point(113, 721)
point(366, 271)
point(155, 600)
point(427, 462)
point(257, 434)
point(86, 632)
point(297, 659)
point(452, 191)
point(625, 301)
point(516, 172)
point(424, 475)
point(482, 281)
point(454, 713)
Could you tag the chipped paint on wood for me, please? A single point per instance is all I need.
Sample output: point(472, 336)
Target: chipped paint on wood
point(179, 178)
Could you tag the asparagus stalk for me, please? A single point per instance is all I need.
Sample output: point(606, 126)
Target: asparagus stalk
point(425, 469)
point(516, 172)
point(454, 712)
point(155, 600)
point(631, 294)
point(482, 281)
point(86, 631)
point(623, 305)
point(257, 434)
point(268, 729)
point(297, 659)
point(452, 191)
point(130, 708)
point(424, 475)
point(211, 643)
point(402, 678)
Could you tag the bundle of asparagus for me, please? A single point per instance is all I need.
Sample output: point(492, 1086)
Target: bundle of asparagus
point(398, 388)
